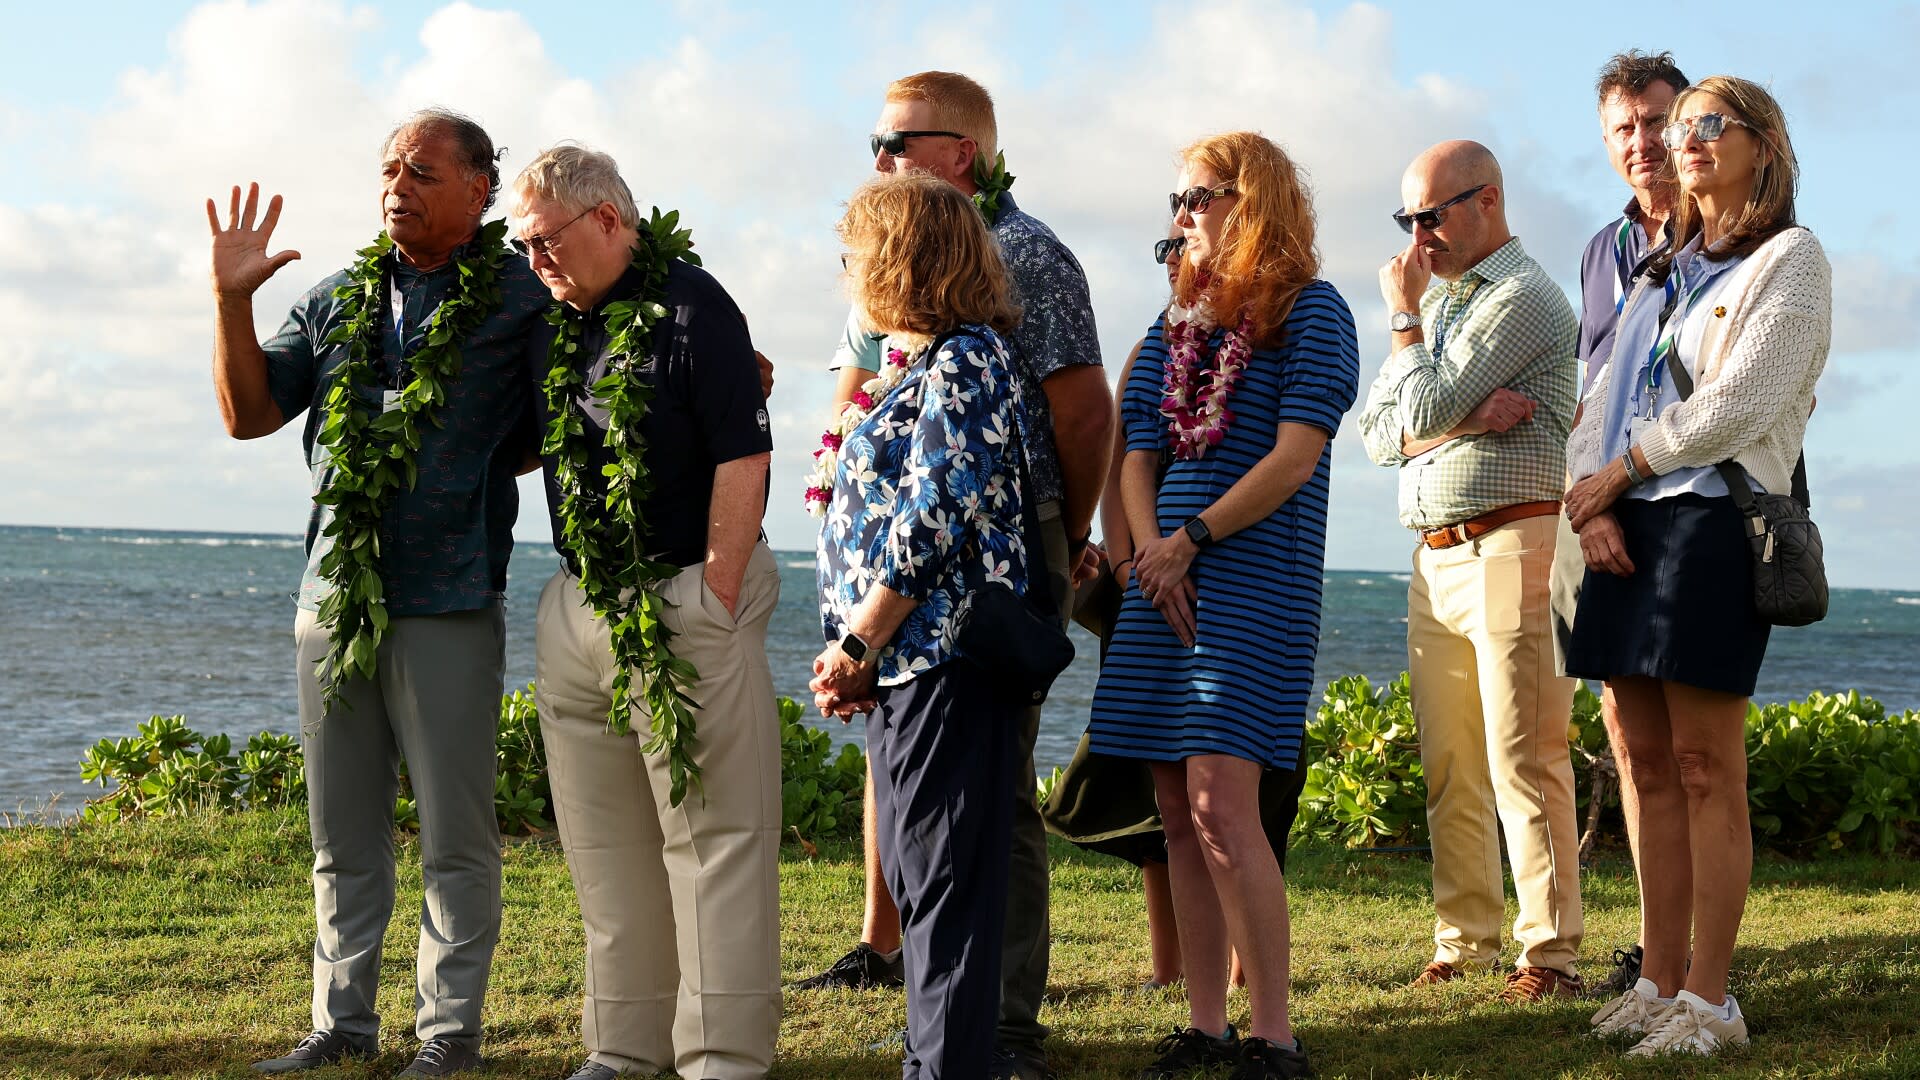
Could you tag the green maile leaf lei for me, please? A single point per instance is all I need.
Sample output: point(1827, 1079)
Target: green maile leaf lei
point(991, 181)
point(607, 534)
point(371, 450)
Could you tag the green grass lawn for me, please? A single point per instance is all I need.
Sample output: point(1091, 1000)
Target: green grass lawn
point(181, 948)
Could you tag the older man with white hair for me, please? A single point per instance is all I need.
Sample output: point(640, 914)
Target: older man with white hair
point(655, 460)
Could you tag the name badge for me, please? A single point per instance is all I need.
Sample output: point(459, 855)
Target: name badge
point(389, 400)
point(1637, 430)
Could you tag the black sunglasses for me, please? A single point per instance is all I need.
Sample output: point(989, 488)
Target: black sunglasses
point(895, 142)
point(541, 244)
point(1166, 251)
point(1433, 216)
point(1195, 199)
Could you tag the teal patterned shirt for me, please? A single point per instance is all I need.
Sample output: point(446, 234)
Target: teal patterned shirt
point(443, 545)
point(1503, 324)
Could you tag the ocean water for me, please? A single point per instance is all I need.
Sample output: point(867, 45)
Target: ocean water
point(102, 628)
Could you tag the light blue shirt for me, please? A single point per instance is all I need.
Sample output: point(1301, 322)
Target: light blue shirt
point(1699, 283)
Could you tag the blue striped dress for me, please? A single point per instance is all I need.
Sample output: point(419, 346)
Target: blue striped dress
point(1243, 688)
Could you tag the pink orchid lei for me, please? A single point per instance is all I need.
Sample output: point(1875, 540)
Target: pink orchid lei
point(1193, 396)
point(826, 459)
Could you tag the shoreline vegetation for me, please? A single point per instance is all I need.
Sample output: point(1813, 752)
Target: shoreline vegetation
point(167, 932)
point(178, 946)
point(1827, 774)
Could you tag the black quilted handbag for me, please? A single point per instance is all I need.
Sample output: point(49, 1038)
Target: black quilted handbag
point(1789, 563)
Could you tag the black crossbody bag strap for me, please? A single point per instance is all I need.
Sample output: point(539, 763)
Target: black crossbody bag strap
point(1731, 472)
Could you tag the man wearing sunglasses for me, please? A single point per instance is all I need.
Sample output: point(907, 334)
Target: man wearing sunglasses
point(1634, 91)
point(1474, 406)
point(943, 123)
point(435, 697)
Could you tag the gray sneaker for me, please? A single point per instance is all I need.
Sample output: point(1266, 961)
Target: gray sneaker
point(442, 1057)
point(593, 1070)
point(318, 1049)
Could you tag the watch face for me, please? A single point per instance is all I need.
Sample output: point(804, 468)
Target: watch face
point(855, 649)
point(1197, 531)
point(1403, 321)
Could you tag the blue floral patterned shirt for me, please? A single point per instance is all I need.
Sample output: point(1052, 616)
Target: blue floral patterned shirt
point(926, 499)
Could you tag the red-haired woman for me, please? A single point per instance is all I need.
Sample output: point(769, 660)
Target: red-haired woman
point(1240, 387)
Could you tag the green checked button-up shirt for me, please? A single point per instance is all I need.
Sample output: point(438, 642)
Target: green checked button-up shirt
point(1504, 323)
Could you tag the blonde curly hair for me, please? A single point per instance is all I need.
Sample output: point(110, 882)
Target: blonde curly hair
point(920, 260)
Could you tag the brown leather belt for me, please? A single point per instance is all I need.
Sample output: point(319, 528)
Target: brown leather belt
point(1474, 528)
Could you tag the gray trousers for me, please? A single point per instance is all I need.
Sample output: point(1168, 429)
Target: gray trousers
point(436, 701)
point(1024, 952)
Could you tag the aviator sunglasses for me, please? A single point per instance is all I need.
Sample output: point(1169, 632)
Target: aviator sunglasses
point(1707, 127)
point(1166, 251)
point(1196, 199)
point(895, 142)
point(1433, 216)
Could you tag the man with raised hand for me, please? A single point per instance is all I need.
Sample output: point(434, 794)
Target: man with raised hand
point(1634, 91)
point(943, 123)
point(407, 366)
point(664, 749)
point(1473, 406)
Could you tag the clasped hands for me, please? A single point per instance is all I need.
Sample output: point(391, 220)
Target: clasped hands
point(841, 687)
point(1588, 507)
point(1160, 566)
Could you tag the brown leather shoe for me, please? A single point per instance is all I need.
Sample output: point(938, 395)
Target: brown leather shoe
point(1435, 973)
point(1538, 984)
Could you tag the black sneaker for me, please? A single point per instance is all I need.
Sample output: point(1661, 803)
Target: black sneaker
point(317, 1049)
point(864, 968)
point(1007, 1065)
point(442, 1057)
point(1625, 973)
point(1189, 1050)
point(1262, 1060)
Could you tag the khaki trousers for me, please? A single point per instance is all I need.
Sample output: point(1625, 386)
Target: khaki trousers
point(1493, 714)
point(681, 904)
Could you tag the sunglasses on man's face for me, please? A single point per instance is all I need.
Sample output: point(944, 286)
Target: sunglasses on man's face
point(1196, 199)
point(1433, 216)
point(1707, 127)
point(895, 142)
point(1169, 250)
point(543, 245)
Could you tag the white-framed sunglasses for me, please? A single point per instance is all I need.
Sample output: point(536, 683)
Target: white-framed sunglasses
point(1707, 127)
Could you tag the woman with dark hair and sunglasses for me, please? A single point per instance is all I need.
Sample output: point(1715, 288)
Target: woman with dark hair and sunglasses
point(1239, 387)
point(1715, 360)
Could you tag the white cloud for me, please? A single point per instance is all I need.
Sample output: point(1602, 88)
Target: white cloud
point(105, 412)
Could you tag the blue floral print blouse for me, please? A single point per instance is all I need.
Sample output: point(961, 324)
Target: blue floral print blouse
point(926, 499)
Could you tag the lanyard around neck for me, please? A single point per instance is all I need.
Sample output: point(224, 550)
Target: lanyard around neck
point(1451, 314)
point(1673, 317)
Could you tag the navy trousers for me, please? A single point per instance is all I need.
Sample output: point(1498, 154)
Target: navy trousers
point(941, 749)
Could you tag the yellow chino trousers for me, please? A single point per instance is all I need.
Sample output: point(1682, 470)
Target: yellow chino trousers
point(1493, 714)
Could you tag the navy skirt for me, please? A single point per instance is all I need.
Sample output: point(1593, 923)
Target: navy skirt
point(1686, 614)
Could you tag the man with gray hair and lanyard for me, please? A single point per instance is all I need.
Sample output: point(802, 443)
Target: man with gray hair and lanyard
point(400, 632)
point(1634, 89)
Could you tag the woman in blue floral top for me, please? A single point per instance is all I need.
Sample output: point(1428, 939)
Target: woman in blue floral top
point(922, 502)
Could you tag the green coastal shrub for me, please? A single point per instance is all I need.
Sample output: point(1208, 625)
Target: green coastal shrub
point(1828, 773)
point(168, 768)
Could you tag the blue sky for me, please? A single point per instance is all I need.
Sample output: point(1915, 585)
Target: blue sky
point(116, 123)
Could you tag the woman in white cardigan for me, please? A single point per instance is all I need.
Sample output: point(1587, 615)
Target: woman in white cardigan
point(1743, 302)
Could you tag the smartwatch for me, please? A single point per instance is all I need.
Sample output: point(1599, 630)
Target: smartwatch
point(1197, 532)
point(854, 646)
point(1404, 321)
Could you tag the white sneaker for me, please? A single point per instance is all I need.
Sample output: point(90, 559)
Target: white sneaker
point(1692, 1026)
point(1634, 1012)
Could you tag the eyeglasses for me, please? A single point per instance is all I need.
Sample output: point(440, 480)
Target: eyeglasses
point(1169, 250)
point(895, 142)
point(1707, 127)
point(543, 245)
point(1196, 199)
point(1433, 216)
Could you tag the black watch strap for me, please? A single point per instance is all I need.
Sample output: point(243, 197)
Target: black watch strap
point(1197, 532)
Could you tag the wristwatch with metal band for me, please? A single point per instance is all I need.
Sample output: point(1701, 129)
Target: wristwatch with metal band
point(1404, 321)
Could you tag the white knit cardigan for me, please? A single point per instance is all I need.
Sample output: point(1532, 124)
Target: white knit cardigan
point(1753, 375)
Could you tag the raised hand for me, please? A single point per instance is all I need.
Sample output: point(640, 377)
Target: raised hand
point(240, 260)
